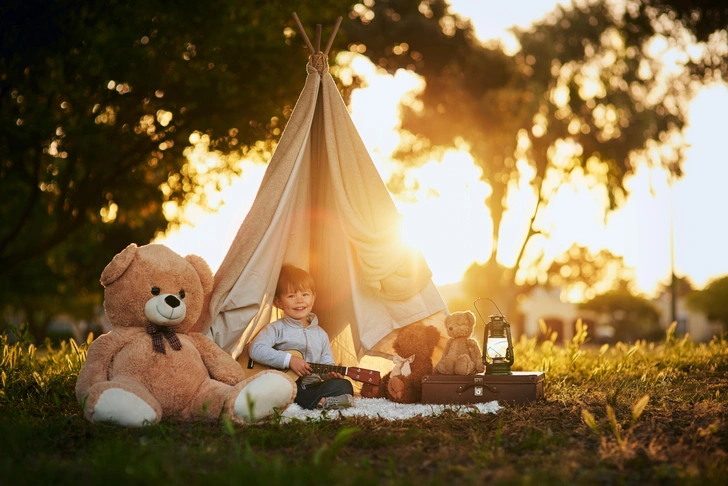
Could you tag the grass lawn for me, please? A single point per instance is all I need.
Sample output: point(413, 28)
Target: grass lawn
point(625, 414)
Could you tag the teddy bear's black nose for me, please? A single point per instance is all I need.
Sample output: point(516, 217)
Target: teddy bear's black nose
point(172, 301)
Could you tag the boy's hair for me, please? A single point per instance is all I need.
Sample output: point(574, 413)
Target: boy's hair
point(293, 278)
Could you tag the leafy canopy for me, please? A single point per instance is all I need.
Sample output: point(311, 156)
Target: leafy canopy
point(99, 102)
point(586, 98)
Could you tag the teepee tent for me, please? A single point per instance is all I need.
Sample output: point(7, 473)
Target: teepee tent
point(322, 206)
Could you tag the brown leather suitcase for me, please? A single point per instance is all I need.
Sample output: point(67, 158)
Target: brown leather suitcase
point(519, 388)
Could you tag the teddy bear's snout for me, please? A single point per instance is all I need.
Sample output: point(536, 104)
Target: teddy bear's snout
point(165, 310)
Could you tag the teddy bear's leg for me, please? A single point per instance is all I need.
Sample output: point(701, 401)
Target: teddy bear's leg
point(124, 403)
point(464, 365)
point(446, 366)
point(261, 395)
point(215, 398)
point(209, 402)
point(411, 390)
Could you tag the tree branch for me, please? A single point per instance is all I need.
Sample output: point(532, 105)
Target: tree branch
point(541, 199)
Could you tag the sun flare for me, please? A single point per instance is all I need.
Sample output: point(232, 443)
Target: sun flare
point(448, 220)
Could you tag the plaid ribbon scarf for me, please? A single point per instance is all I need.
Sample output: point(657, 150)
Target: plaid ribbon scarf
point(157, 332)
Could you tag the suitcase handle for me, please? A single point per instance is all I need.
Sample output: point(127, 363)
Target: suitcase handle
point(462, 389)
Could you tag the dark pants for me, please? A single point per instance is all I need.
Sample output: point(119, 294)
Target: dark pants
point(310, 396)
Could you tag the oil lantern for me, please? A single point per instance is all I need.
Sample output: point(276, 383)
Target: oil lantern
point(497, 346)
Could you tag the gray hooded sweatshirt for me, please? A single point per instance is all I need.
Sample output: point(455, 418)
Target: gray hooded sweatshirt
point(270, 345)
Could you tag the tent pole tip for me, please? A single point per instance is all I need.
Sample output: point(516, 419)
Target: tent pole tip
point(303, 33)
point(333, 35)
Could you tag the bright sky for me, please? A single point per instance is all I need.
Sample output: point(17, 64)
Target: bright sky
point(450, 194)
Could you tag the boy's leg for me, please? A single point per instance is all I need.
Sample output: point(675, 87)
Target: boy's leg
point(307, 397)
point(310, 396)
point(337, 387)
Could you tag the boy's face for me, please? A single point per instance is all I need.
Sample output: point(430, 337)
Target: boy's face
point(296, 303)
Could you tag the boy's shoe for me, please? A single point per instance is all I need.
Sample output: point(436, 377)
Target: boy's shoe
point(335, 403)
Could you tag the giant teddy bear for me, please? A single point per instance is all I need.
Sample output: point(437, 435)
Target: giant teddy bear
point(149, 366)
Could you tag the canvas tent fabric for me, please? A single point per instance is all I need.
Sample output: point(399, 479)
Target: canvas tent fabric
point(322, 206)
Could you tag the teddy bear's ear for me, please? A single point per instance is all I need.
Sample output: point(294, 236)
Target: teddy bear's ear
point(203, 271)
point(118, 265)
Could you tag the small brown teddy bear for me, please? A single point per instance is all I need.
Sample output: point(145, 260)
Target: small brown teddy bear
point(462, 355)
point(417, 343)
point(149, 366)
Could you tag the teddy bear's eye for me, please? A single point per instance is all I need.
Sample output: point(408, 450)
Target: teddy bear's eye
point(182, 294)
point(155, 290)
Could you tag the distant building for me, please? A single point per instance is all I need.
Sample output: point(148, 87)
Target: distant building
point(545, 303)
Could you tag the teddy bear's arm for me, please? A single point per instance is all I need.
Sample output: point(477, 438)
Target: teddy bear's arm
point(98, 359)
point(222, 366)
point(476, 355)
point(441, 367)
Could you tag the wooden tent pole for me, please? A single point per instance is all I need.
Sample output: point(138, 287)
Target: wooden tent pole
point(318, 35)
point(303, 33)
point(333, 35)
point(317, 45)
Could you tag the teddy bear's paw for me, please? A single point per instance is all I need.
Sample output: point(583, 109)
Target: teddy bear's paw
point(120, 407)
point(396, 387)
point(442, 369)
point(265, 393)
point(464, 366)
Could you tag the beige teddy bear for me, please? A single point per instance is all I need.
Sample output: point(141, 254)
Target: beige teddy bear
point(149, 366)
point(462, 355)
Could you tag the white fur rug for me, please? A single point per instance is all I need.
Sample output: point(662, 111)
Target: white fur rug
point(385, 409)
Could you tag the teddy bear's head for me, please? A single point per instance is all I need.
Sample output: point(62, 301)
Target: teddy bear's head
point(418, 339)
point(153, 284)
point(460, 324)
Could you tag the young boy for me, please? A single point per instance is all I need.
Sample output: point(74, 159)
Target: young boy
point(299, 330)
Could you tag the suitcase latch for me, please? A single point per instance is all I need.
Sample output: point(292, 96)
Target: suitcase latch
point(478, 389)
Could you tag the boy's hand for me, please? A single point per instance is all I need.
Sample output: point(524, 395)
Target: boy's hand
point(299, 366)
point(333, 374)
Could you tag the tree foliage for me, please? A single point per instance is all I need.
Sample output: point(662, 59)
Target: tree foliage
point(706, 20)
point(582, 272)
point(631, 316)
point(712, 300)
point(99, 101)
point(586, 98)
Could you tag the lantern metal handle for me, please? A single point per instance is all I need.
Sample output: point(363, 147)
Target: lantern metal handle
point(475, 302)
